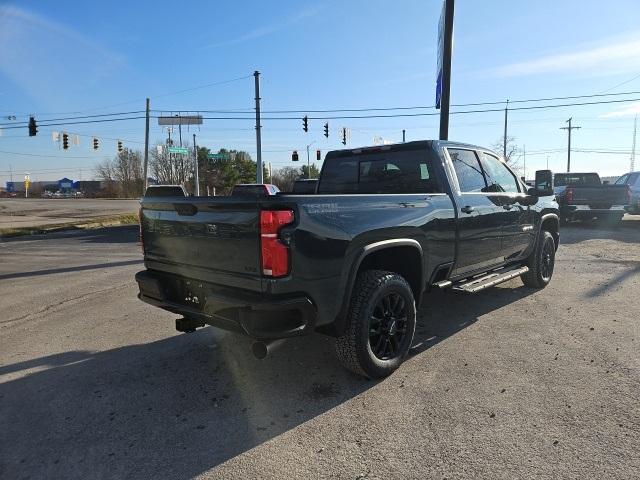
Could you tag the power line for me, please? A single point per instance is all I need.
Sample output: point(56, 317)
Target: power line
point(620, 84)
point(77, 118)
point(382, 109)
point(83, 119)
point(81, 122)
point(222, 82)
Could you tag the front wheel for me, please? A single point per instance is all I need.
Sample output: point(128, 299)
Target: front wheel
point(541, 262)
point(381, 322)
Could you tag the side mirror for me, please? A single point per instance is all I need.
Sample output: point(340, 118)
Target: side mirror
point(543, 186)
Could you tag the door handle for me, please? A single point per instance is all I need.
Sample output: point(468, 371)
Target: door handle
point(467, 209)
point(508, 206)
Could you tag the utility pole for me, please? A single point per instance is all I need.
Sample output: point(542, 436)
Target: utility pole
point(447, 47)
point(524, 161)
point(182, 176)
point(259, 172)
point(633, 148)
point(146, 149)
point(197, 174)
point(403, 136)
point(506, 115)
point(568, 129)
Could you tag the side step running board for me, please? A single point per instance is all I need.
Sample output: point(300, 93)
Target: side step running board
point(476, 284)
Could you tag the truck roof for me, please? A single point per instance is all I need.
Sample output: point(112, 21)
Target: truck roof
point(407, 146)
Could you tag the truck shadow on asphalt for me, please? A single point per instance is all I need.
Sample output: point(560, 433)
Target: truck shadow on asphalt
point(177, 407)
point(107, 235)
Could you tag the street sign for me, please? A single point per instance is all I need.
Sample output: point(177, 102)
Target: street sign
point(181, 120)
point(183, 150)
point(218, 156)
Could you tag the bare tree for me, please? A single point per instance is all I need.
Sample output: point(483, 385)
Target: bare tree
point(169, 168)
point(285, 177)
point(124, 172)
point(513, 151)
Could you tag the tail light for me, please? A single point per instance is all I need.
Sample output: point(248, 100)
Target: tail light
point(141, 235)
point(274, 253)
point(569, 195)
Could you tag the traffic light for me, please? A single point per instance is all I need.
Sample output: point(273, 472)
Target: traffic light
point(317, 154)
point(65, 141)
point(305, 123)
point(33, 128)
point(120, 147)
point(294, 156)
point(95, 143)
point(326, 129)
point(344, 135)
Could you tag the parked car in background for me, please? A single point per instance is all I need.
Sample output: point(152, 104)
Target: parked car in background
point(583, 196)
point(354, 260)
point(305, 185)
point(631, 180)
point(165, 191)
point(254, 189)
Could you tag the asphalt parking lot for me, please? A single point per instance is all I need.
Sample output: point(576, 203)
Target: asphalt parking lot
point(39, 212)
point(510, 383)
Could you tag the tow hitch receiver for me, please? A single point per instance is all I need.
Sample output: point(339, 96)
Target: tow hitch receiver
point(188, 325)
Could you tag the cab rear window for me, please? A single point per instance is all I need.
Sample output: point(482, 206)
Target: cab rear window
point(409, 171)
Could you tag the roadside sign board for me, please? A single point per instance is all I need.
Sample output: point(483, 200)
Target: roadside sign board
point(183, 150)
point(181, 120)
point(218, 156)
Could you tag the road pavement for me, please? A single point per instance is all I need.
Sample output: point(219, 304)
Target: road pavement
point(509, 383)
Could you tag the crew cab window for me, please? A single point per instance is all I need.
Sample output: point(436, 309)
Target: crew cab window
point(499, 177)
point(628, 179)
point(400, 171)
point(468, 171)
point(622, 180)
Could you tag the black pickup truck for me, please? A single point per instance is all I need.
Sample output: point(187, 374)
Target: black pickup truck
point(355, 259)
point(583, 196)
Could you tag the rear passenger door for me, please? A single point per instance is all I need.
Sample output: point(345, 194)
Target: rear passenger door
point(505, 190)
point(480, 219)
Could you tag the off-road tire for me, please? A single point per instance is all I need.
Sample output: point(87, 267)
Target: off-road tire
point(353, 348)
point(537, 277)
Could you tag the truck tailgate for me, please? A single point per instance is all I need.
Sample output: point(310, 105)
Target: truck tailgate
point(206, 238)
point(601, 196)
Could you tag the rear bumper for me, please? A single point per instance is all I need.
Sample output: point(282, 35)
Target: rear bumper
point(582, 211)
point(230, 309)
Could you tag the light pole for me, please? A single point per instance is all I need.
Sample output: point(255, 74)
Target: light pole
point(308, 161)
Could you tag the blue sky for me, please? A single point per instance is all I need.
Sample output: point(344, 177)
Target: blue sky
point(100, 57)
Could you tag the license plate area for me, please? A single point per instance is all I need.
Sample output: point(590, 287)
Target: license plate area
point(191, 293)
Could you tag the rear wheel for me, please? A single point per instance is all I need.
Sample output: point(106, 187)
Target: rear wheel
point(380, 326)
point(541, 262)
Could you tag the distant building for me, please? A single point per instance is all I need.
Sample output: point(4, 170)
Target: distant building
point(65, 185)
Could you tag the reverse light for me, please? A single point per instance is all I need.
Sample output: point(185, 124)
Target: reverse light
point(274, 254)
